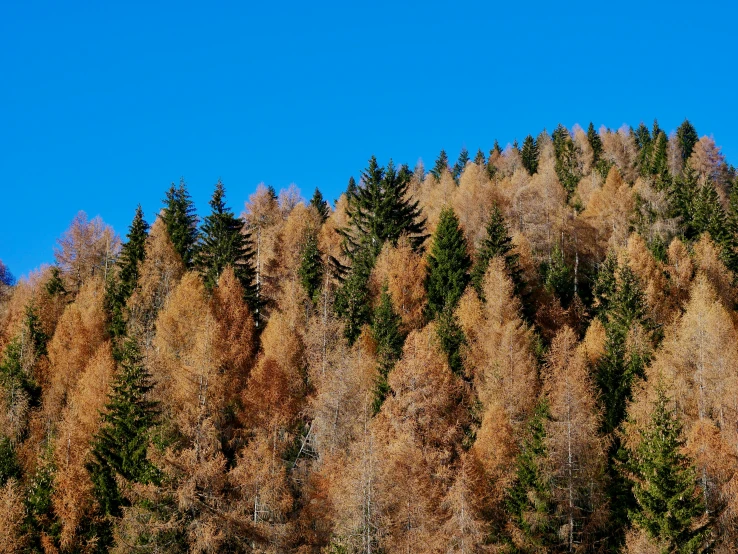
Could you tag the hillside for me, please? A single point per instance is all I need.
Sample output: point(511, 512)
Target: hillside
point(532, 349)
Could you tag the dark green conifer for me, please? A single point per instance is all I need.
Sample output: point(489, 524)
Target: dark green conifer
point(387, 333)
point(448, 264)
point(41, 523)
point(441, 165)
point(311, 269)
point(451, 338)
point(120, 287)
point(659, 160)
point(645, 148)
point(529, 155)
point(121, 444)
point(351, 188)
point(380, 211)
point(461, 163)
point(55, 285)
point(669, 503)
point(708, 214)
point(497, 242)
point(603, 290)
point(557, 276)
point(320, 204)
point(179, 216)
point(529, 503)
point(566, 159)
point(223, 243)
point(730, 244)
point(352, 298)
point(479, 159)
point(9, 467)
point(595, 143)
point(687, 138)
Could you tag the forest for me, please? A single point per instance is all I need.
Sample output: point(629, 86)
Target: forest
point(531, 350)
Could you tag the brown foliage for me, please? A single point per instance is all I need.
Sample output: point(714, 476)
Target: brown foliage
point(12, 515)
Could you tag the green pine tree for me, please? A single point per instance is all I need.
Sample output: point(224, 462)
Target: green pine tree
point(687, 137)
point(682, 198)
point(120, 287)
point(566, 159)
point(311, 269)
point(441, 165)
point(224, 243)
point(352, 298)
point(708, 214)
point(387, 333)
point(461, 163)
point(351, 188)
point(604, 286)
point(644, 143)
point(479, 159)
point(320, 204)
point(121, 444)
point(179, 216)
point(660, 161)
point(669, 503)
point(451, 338)
point(529, 154)
point(557, 276)
point(448, 264)
point(529, 503)
point(730, 244)
point(41, 523)
point(497, 242)
point(55, 286)
point(9, 467)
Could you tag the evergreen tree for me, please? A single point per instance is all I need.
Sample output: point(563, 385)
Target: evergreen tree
point(181, 221)
point(529, 501)
point(448, 264)
point(708, 214)
point(669, 503)
point(320, 204)
point(659, 160)
point(451, 338)
point(687, 138)
point(497, 242)
point(380, 211)
point(645, 148)
point(615, 375)
point(121, 444)
point(41, 523)
point(441, 165)
point(390, 339)
point(529, 154)
point(9, 468)
point(730, 245)
point(461, 163)
point(566, 159)
point(352, 298)
point(311, 267)
point(605, 285)
point(351, 187)
point(55, 285)
point(682, 198)
point(223, 243)
point(119, 288)
point(557, 277)
point(479, 159)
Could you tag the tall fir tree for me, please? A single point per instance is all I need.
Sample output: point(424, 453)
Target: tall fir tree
point(311, 268)
point(730, 245)
point(448, 264)
point(644, 144)
point(682, 198)
point(566, 159)
point(120, 287)
point(529, 503)
point(387, 334)
point(529, 155)
point(669, 508)
point(497, 242)
point(352, 298)
point(461, 163)
point(557, 277)
point(708, 215)
point(687, 137)
point(441, 165)
point(224, 242)
point(319, 203)
point(479, 159)
point(181, 221)
point(660, 161)
point(120, 446)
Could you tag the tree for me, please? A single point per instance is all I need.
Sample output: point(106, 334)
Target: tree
point(670, 508)
point(223, 243)
point(6, 277)
point(119, 289)
point(529, 155)
point(497, 242)
point(120, 446)
point(557, 278)
point(461, 163)
point(380, 211)
point(441, 165)
point(479, 159)
point(566, 159)
point(686, 138)
point(448, 264)
point(644, 144)
point(320, 204)
point(352, 298)
point(386, 331)
point(311, 267)
point(595, 142)
point(181, 221)
point(529, 501)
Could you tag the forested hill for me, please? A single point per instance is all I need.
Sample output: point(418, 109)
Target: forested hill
point(529, 350)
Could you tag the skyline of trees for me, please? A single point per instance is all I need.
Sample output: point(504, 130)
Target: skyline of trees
point(534, 350)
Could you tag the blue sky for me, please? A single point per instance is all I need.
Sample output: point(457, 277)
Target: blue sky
point(103, 105)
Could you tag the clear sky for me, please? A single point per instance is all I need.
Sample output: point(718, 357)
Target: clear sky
point(103, 104)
